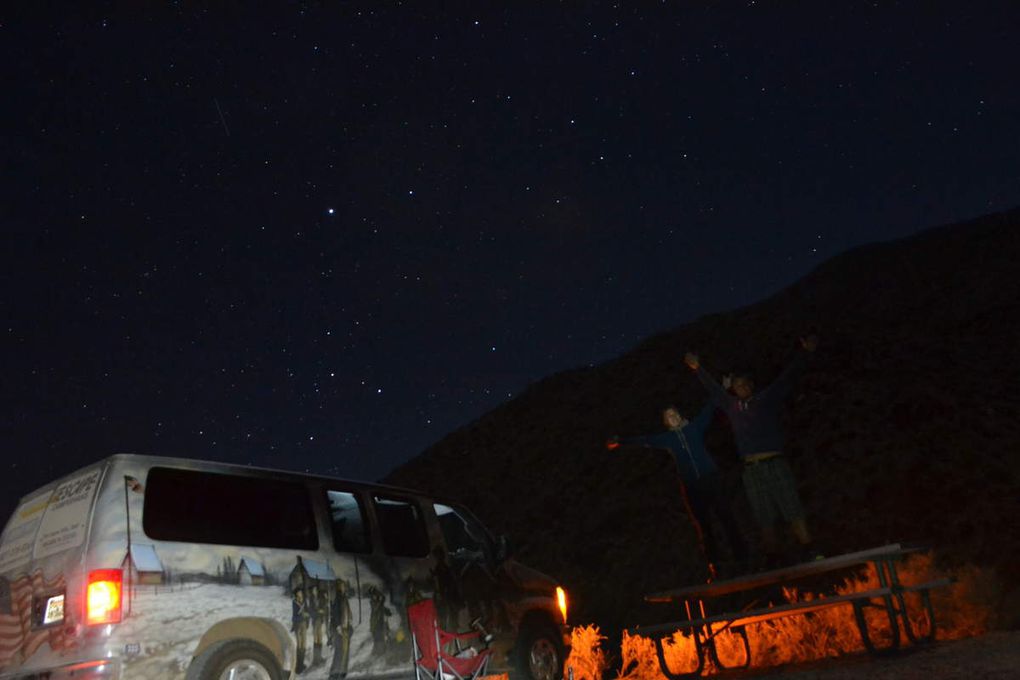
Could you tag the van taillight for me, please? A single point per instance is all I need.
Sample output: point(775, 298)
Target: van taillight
point(102, 600)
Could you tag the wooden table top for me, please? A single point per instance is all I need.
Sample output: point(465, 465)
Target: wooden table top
point(778, 576)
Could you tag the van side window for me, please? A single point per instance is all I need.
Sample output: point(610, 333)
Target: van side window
point(464, 535)
point(349, 531)
point(402, 527)
point(205, 507)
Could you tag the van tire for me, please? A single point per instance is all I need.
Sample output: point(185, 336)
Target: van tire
point(220, 656)
point(539, 652)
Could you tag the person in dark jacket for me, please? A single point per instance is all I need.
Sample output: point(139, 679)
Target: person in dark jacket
point(702, 486)
point(755, 421)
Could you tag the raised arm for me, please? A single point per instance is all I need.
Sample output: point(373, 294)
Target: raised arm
point(704, 418)
point(715, 390)
point(788, 378)
point(650, 441)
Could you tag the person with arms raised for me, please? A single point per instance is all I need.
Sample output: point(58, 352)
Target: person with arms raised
point(755, 420)
point(702, 486)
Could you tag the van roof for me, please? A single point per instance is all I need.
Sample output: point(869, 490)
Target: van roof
point(171, 461)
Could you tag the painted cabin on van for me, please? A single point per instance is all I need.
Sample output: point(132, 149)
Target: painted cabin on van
point(143, 565)
point(250, 572)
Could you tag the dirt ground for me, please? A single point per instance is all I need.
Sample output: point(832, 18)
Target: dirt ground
point(992, 656)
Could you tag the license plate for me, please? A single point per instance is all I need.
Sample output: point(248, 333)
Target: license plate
point(54, 610)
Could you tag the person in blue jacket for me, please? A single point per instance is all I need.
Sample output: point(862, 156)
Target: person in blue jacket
point(702, 487)
point(755, 421)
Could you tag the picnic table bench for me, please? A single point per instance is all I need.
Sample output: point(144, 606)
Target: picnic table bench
point(705, 627)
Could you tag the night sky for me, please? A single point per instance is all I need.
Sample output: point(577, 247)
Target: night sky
point(323, 235)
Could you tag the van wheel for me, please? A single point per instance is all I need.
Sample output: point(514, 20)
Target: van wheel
point(539, 652)
point(235, 660)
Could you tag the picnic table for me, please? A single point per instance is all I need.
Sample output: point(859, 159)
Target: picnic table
point(704, 627)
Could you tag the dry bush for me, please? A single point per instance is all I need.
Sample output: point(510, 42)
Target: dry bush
point(967, 607)
point(587, 660)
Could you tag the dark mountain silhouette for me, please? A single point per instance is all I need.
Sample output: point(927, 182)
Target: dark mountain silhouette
point(906, 426)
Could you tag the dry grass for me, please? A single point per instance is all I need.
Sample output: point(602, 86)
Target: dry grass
point(587, 660)
point(962, 610)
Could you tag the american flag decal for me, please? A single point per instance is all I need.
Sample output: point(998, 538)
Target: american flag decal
point(5, 596)
point(17, 639)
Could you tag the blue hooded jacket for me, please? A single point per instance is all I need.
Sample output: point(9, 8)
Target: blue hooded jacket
point(687, 444)
point(756, 421)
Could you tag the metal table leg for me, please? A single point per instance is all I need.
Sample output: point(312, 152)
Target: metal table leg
point(699, 650)
point(897, 588)
point(890, 612)
point(741, 632)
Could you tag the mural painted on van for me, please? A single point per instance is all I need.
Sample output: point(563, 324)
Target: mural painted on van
point(344, 614)
point(202, 553)
point(334, 627)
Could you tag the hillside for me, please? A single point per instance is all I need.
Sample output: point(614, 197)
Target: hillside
point(905, 427)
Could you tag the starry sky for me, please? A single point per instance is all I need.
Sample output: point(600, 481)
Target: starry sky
point(321, 236)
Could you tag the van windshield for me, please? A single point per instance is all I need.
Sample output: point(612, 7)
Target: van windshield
point(464, 535)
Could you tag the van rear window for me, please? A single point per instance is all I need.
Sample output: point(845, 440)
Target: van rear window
point(203, 507)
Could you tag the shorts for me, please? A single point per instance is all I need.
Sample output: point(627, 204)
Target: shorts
point(772, 491)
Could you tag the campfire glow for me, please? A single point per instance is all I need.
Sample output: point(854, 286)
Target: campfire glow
point(962, 610)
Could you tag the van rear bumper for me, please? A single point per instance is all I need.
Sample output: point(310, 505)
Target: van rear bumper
point(105, 669)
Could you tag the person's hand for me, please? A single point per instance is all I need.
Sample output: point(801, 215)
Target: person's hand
point(692, 360)
point(809, 343)
point(727, 381)
point(613, 442)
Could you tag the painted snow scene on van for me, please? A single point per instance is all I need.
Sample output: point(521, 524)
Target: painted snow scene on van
point(167, 621)
point(334, 614)
point(194, 563)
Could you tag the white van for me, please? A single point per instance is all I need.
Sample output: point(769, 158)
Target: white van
point(142, 567)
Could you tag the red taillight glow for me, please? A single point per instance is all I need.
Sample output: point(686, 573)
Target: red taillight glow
point(102, 599)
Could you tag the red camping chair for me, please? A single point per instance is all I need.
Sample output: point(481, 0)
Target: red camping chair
point(431, 661)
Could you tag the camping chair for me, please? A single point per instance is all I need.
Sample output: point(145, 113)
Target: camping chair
point(431, 661)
